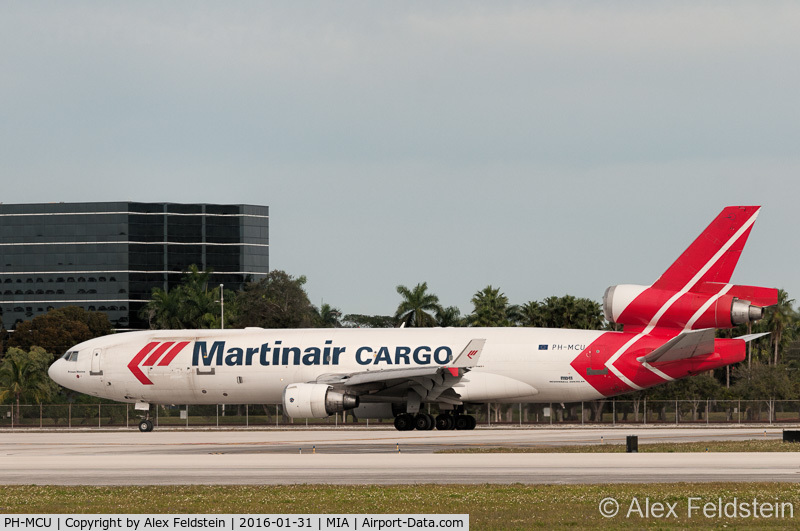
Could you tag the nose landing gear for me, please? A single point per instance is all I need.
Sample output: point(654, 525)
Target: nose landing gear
point(145, 425)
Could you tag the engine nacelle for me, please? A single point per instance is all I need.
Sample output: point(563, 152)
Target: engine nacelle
point(307, 400)
point(638, 305)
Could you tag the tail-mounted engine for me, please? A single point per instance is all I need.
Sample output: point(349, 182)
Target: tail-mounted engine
point(307, 400)
point(701, 307)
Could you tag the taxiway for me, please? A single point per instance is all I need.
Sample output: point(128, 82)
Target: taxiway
point(373, 457)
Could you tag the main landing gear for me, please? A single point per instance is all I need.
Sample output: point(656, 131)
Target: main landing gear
point(145, 425)
point(424, 421)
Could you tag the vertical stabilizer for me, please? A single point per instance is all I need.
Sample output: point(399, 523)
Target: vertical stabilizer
point(713, 256)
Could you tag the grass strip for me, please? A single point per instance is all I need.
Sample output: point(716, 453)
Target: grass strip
point(489, 506)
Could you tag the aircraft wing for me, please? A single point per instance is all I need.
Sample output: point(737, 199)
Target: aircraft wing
point(431, 383)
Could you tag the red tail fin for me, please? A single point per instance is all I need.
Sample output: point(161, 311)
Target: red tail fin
point(712, 257)
point(695, 292)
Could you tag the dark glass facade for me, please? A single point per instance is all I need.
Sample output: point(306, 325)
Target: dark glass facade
point(109, 256)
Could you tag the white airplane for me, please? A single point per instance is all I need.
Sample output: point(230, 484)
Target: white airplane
point(392, 373)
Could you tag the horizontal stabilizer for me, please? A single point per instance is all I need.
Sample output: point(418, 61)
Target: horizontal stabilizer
point(750, 337)
point(684, 346)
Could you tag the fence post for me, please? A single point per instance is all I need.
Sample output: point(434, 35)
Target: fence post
point(247, 415)
point(739, 410)
point(582, 413)
point(520, 414)
point(613, 411)
point(126, 415)
point(40, 415)
point(644, 419)
point(99, 411)
point(707, 411)
point(187, 415)
point(217, 415)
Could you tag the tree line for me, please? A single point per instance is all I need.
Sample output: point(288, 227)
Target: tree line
point(280, 301)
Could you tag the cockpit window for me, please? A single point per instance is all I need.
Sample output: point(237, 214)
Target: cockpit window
point(72, 355)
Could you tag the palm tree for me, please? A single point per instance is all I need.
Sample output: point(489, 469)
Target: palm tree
point(491, 308)
point(22, 376)
point(163, 310)
point(563, 312)
point(417, 306)
point(781, 322)
point(190, 305)
point(533, 313)
point(328, 316)
point(450, 316)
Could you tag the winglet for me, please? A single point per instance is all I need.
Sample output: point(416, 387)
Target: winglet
point(469, 356)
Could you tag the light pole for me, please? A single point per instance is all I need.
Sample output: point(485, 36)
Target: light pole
point(222, 306)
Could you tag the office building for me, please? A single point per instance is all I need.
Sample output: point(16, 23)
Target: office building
point(109, 256)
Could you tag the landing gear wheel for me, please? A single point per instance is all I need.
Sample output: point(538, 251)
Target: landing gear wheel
point(472, 422)
point(445, 422)
point(423, 422)
point(462, 422)
point(145, 426)
point(404, 422)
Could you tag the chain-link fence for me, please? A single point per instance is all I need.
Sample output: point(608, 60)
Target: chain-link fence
point(625, 412)
point(605, 412)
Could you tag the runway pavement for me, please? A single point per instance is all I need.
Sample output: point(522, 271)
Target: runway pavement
point(371, 456)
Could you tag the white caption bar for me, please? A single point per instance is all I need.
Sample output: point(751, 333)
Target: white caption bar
point(144, 522)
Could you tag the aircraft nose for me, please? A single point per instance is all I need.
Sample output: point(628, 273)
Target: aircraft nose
point(56, 372)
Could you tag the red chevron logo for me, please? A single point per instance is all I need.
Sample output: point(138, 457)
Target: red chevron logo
point(156, 351)
point(471, 353)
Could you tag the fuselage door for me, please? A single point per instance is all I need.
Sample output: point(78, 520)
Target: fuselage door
point(97, 355)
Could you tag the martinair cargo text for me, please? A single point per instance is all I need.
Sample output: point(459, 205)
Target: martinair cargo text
point(668, 333)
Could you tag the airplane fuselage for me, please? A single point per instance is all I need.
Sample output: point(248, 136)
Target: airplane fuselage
point(255, 365)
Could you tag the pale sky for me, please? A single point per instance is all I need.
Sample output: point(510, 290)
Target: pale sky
point(542, 147)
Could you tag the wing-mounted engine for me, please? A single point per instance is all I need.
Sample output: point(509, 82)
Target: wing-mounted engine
point(311, 400)
point(706, 305)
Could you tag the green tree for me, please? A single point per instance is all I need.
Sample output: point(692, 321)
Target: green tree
point(490, 308)
point(23, 375)
point(764, 382)
point(355, 320)
point(450, 316)
point(277, 301)
point(59, 329)
point(328, 317)
point(192, 304)
point(781, 323)
point(563, 312)
point(418, 307)
point(163, 311)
